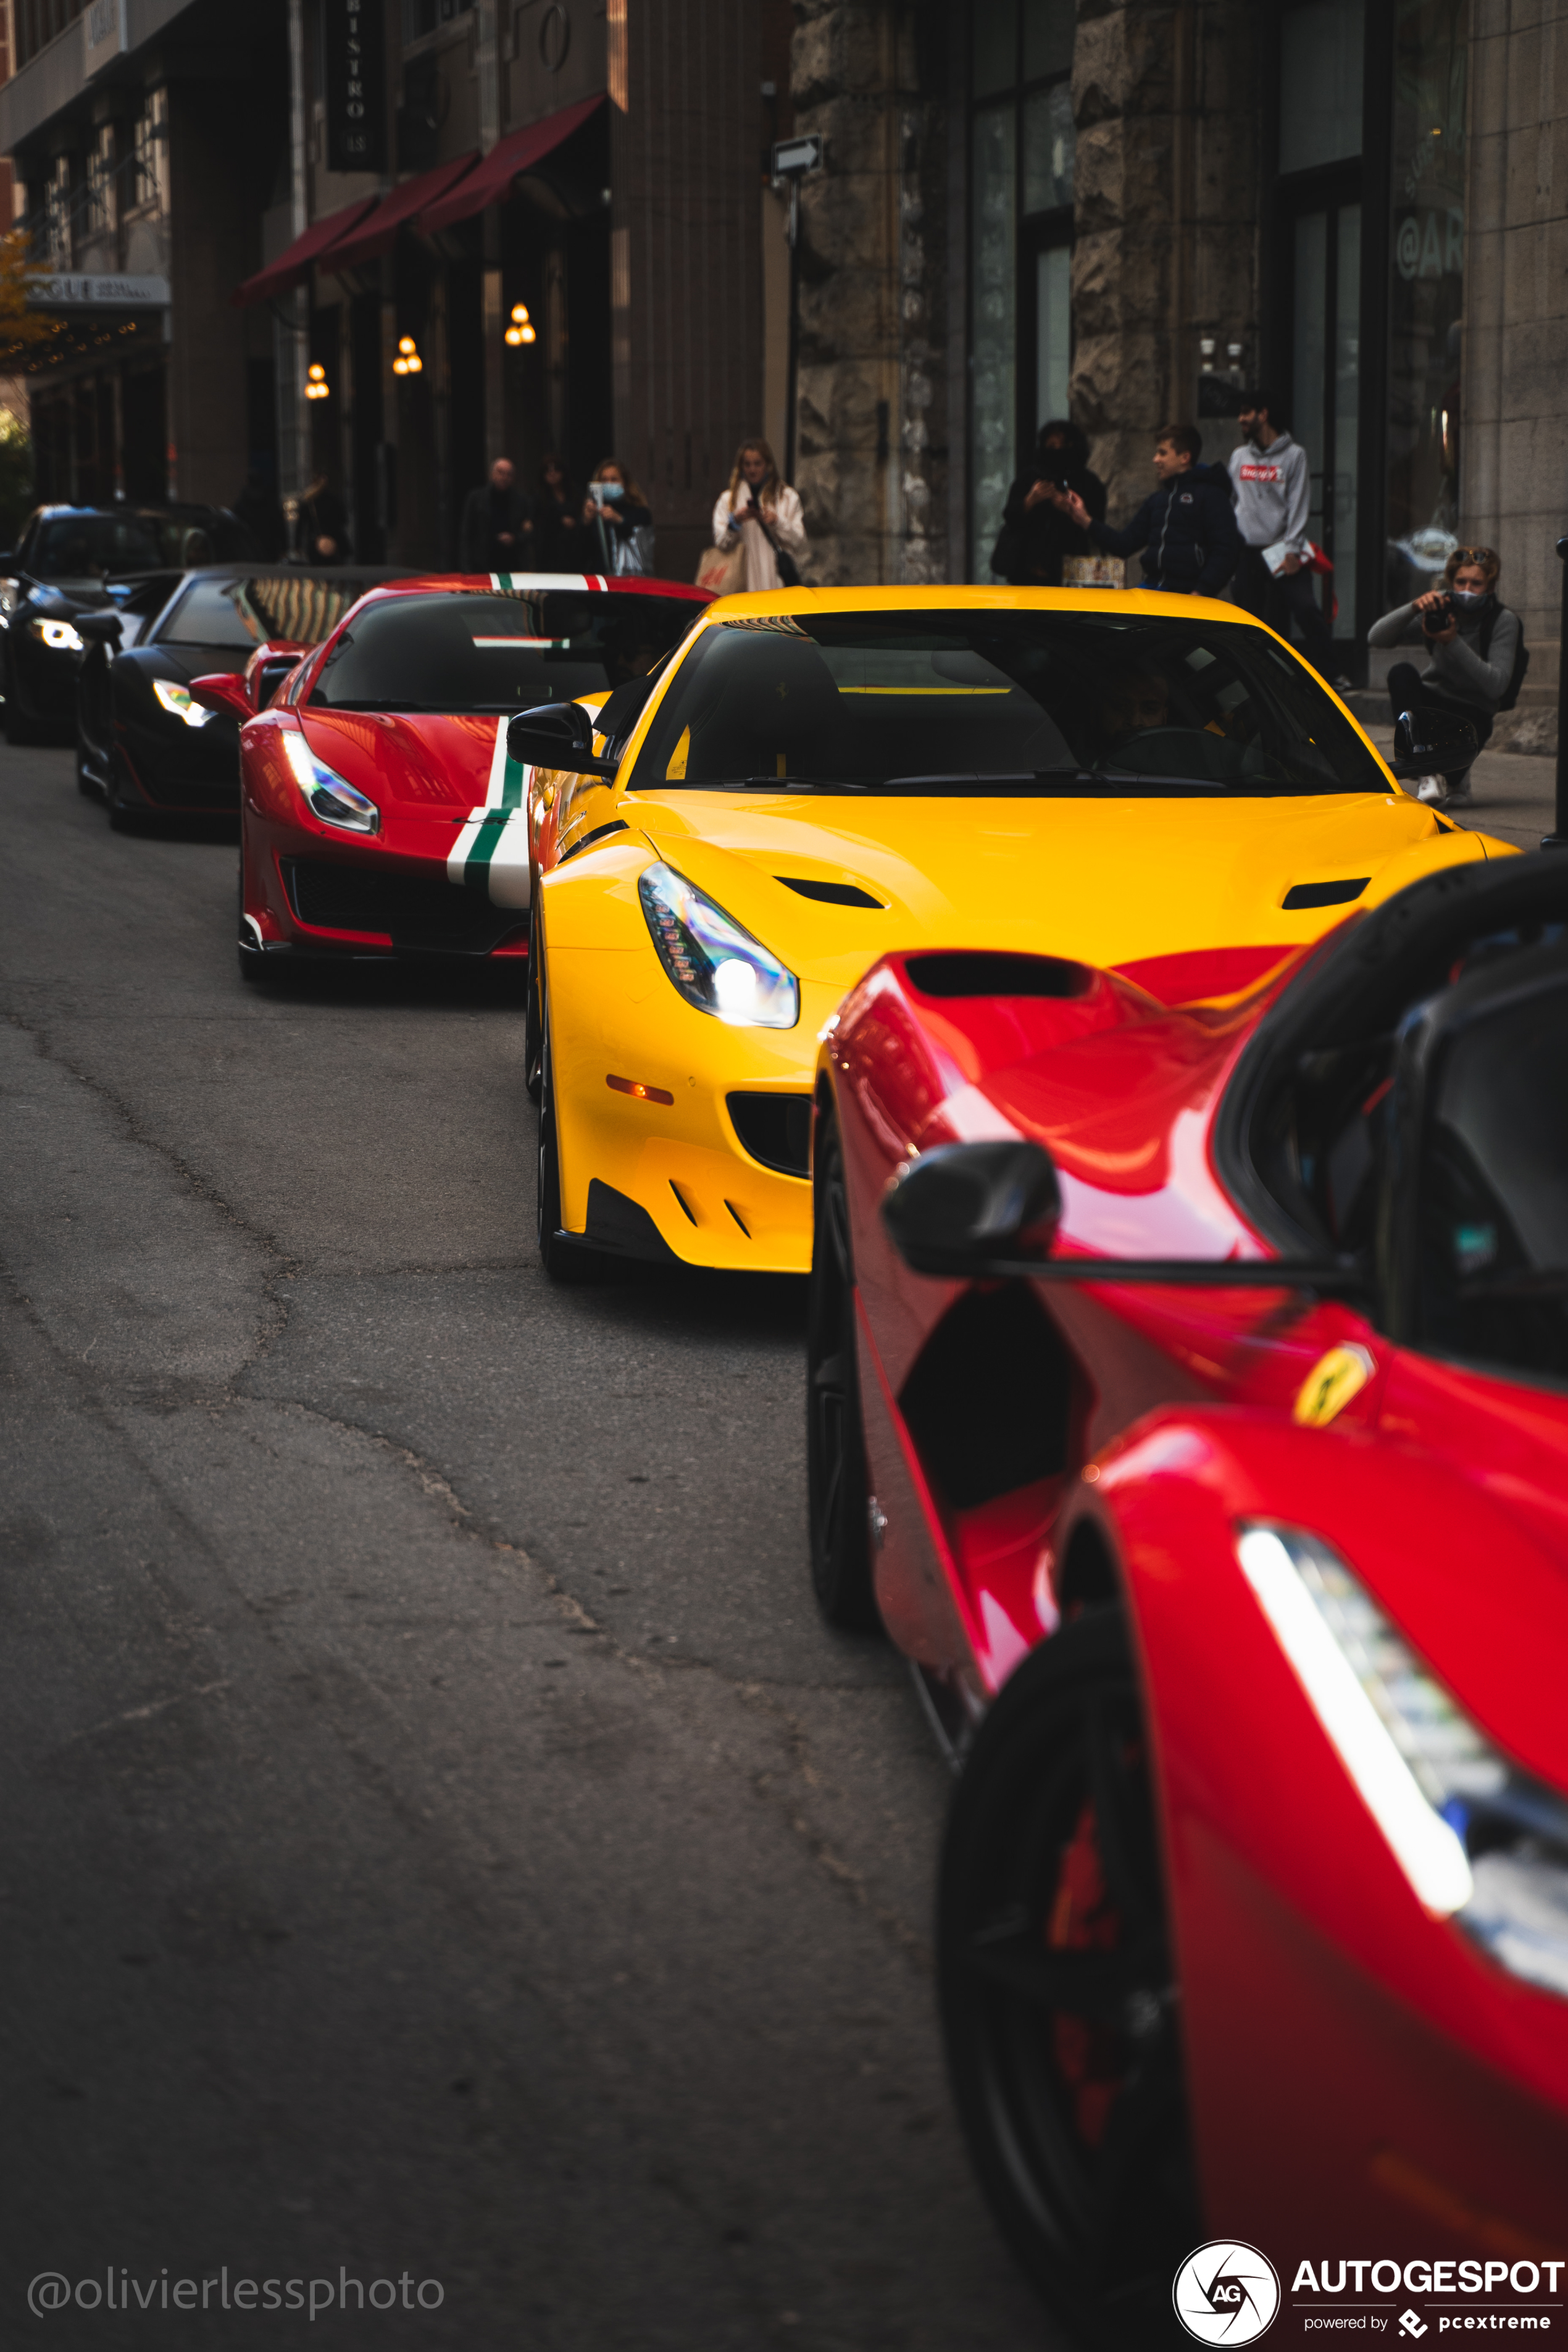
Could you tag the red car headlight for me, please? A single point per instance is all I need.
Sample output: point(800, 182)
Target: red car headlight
point(1479, 1840)
point(329, 796)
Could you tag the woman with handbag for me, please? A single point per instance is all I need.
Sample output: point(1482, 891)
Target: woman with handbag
point(758, 531)
point(620, 524)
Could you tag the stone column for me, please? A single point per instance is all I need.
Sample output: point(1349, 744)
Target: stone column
point(872, 424)
point(1165, 100)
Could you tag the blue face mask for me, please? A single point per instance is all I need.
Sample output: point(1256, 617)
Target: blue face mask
point(611, 491)
point(1467, 599)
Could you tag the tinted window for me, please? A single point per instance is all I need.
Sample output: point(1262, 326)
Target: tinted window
point(1108, 704)
point(91, 546)
point(212, 613)
point(295, 606)
point(495, 651)
point(1494, 1191)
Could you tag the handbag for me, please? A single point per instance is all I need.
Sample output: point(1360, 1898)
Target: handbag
point(722, 569)
point(788, 569)
point(634, 552)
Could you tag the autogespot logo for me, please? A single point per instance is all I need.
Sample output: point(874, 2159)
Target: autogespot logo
point(1226, 2292)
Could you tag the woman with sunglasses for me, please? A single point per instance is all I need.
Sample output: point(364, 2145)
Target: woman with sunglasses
point(1471, 641)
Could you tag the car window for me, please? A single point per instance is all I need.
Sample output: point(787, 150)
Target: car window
point(90, 546)
point(994, 701)
point(212, 613)
point(498, 650)
point(1494, 1192)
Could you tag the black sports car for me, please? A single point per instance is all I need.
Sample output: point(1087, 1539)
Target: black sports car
point(143, 745)
point(71, 560)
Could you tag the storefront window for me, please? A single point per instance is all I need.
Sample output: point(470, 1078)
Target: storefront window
point(1426, 287)
point(1023, 151)
point(1320, 50)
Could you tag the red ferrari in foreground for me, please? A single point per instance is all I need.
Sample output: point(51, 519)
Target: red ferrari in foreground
point(1189, 1398)
point(380, 814)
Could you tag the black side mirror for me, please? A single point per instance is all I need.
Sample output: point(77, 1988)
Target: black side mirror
point(962, 1206)
point(1431, 743)
point(557, 735)
point(990, 1211)
point(100, 628)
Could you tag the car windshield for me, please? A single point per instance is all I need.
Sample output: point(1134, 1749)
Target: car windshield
point(95, 546)
point(241, 614)
point(496, 650)
point(1001, 702)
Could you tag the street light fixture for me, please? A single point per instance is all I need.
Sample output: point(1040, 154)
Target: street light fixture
point(316, 384)
point(521, 329)
point(409, 361)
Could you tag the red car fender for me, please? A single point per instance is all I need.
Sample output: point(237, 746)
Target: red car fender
point(1395, 2077)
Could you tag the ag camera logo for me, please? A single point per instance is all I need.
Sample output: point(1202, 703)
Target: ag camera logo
point(1226, 2292)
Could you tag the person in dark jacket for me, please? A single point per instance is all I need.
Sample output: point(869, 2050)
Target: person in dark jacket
point(1186, 530)
point(1037, 532)
point(323, 524)
point(496, 533)
point(558, 528)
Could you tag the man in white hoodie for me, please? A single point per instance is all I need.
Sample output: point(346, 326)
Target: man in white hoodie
point(1272, 484)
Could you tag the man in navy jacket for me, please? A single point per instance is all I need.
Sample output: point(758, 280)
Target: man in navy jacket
point(1186, 530)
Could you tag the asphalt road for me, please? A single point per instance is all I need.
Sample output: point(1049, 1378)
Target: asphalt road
point(442, 1849)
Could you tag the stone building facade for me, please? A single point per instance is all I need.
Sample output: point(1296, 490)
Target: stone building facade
point(1130, 210)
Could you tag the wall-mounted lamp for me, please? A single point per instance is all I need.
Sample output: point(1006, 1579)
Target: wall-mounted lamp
point(521, 329)
point(409, 361)
point(316, 384)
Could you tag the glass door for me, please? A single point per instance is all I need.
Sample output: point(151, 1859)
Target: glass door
point(1326, 407)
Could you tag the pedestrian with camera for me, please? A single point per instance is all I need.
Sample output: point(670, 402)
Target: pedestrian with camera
point(759, 531)
point(1476, 658)
point(620, 523)
point(1038, 535)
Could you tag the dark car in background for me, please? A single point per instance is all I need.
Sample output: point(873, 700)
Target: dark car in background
point(74, 559)
point(143, 746)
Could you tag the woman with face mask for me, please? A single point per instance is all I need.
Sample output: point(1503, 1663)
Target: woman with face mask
point(1470, 640)
point(619, 523)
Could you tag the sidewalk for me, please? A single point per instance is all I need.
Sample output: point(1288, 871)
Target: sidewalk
point(1515, 796)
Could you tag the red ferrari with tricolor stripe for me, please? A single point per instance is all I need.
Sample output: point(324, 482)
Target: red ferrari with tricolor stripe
point(380, 814)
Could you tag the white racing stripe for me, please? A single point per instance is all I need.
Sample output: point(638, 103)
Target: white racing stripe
point(490, 852)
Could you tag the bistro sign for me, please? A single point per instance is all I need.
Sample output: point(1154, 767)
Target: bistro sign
point(71, 292)
point(355, 85)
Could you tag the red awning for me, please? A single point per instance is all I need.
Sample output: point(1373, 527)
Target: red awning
point(377, 233)
point(297, 261)
point(519, 152)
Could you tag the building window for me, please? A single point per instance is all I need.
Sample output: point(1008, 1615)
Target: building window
point(1426, 291)
point(1322, 53)
point(102, 206)
point(38, 22)
point(149, 145)
point(422, 17)
point(1022, 157)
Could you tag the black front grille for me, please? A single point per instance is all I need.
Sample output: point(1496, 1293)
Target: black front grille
point(775, 1129)
point(420, 912)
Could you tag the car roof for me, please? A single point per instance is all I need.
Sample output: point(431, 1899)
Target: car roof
point(539, 582)
point(121, 507)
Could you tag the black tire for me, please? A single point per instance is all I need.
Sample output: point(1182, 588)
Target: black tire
point(564, 1261)
point(1058, 2003)
point(534, 1017)
point(839, 1494)
point(86, 784)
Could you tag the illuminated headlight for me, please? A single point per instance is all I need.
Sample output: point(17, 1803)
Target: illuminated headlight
point(332, 797)
point(176, 701)
point(1477, 1838)
point(58, 635)
point(715, 964)
point(10, 597)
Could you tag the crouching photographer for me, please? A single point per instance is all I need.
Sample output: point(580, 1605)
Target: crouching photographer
point(1475, 657)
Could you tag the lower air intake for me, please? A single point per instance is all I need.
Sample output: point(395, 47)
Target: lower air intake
point(422, 914)
point(775, 1129)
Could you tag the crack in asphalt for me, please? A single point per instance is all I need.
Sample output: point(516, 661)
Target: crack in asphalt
point(848, 1882)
